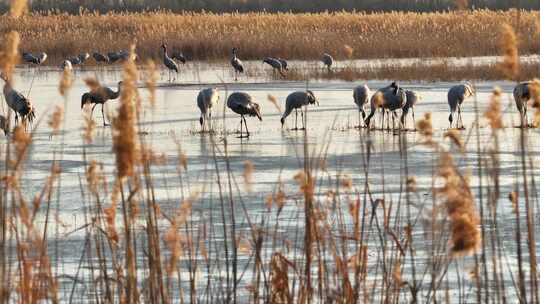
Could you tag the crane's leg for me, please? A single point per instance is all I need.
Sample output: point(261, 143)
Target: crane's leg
point(382, 119)
point(460, 121)
point(295, 119)
point(209, 121)
point(414, 121)
point(393, 121)
point(103, 115)
point(526, 120)
point(303, 121)
point(245, 124)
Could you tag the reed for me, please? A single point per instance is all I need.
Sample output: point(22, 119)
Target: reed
point(207, 36)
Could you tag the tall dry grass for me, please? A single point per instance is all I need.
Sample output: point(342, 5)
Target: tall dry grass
point(293, 36)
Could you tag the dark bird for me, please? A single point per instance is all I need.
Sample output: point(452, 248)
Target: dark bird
point(18, 103)
point(206, 100)
point(327, 60)
point(66, 65)
point(361, 97)
point(284, 64)
point(168, 62)
point(412, 98)
point(236, 64)
point(35, 59)
point(242, 103)
point(296, 101)
point(113, 56)
point(456, 95)
point(275, 64)
point(387, 99)
point(100, 96)
point(179, 56)
point(98, 57)
point(522, 96)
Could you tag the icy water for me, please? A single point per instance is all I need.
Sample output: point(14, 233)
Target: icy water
point(277, 156)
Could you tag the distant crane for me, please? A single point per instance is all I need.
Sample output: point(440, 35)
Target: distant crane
point(389, 98)
point(207, 99)
point(18, 103)
point(284, 64)
point(114, 56)
point(412, 98)
point(100, 96)
point(361, 97)
point(168, 62)
point(327, 60)
point(242, 103)
point(236, 64)
point(522, 96)
point(275, 64)
point(35, 59)
point(98, 57)
point(83, 57)
point(296, 101)
point(179, 56)
point(456, 95)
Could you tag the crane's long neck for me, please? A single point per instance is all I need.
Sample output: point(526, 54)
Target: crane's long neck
point(117, 93)
point(165, 52)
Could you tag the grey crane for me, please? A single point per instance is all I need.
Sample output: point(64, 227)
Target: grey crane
point(207, 99)
point(412, 98)
point(179, 56)
point(327, 60)
point(456, 95)
point(295, 101)
point(35, 59)
point(389, 98)
point(124, 56)
point(168, 62)
point(361, 97)
point(522, 96)
point(18, 103)
point(4, 124)
point(242, 103)
point(100, 96)
point(83, 57)
point(275, 64)
point(236, 64)
point(98, 57)
point(114, 56)
point(284, 64)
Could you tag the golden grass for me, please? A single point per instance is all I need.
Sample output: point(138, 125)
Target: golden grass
point(292, 36)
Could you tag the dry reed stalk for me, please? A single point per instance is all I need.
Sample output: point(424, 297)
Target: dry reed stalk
point(66, 81)
point(279, 279)
point(348, 51)
point(18, 8)
point(249, 168)
point(9, 55)
point(509, 45)
point(151, 80)
point(56, 119)
point(459, 202)
point(425, 128)
point(455, 138)
point(494, 111)
point(124, 136)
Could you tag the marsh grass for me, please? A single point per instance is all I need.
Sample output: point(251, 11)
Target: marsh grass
point(205, 36)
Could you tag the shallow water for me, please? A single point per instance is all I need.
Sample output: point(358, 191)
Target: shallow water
point(276, 153)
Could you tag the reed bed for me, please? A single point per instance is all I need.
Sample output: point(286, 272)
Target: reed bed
point(206, 36)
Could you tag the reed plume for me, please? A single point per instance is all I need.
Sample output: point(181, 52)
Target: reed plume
point(66, 81)
point(273, 100)
point(56, 119)
point(425, 128)
point(151, 80)
point(494, 111)
point(458, 200)
point(124, 135)
point(18, 8)
point(249, 168)
point(509, 46)
point(455, 138)
point(9, 56)
point(348, 51)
